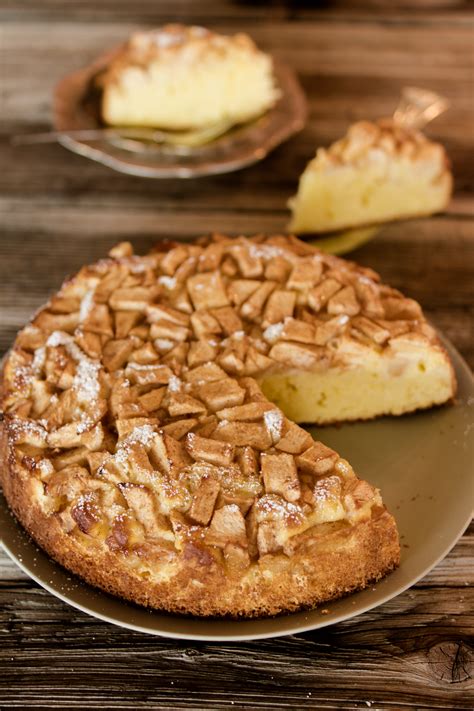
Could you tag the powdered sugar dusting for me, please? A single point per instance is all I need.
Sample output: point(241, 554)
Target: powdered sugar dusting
point(273, 422)
point(122, 454)
point(86, 305)
point(272, 333)
point(84, 425)
point(58, 338)
point(45, 467)
point(86, 380)
point(39, 359)
point(164, 344)
point(174, 384)
point(144, 366)
point(163, 39)
point(326, 488)
point(271, 507)
point(266, 251)
point(366, 280)
point(167, 281)
point(28, 431)
point(143, 434)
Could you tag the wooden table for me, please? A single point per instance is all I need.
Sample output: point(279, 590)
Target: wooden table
point(59, 211)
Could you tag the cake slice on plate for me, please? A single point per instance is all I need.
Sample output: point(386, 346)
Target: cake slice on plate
point(185, 78)
point(139, 450)
point(378, 172)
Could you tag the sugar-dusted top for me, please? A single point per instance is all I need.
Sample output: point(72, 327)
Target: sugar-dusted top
point(132, 399)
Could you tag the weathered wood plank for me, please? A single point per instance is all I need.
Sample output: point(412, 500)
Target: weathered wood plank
point(286, 679)
point(420, 641)
point(52, 172)
point(416, 11)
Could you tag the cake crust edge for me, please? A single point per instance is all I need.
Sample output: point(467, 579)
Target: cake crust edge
point(348, 559)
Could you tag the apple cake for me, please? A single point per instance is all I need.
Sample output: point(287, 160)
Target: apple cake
point(378, 172)
point(149, 435)
point(184, 78)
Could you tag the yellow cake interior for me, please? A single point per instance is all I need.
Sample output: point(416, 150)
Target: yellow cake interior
point(361, 393)
point(373, 175)
point(185, 78)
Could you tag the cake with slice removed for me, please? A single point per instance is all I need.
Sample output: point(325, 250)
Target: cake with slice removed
point(378, 172)
point(140, 452)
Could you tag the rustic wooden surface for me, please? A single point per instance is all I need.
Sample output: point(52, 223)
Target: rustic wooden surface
point(57, 211)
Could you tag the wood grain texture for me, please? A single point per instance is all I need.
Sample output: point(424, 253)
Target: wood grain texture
point(58, 210)
point(414, 652)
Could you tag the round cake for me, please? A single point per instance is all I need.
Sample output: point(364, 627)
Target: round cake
point(141, 452)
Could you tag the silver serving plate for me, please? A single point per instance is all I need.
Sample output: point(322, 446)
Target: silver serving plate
point(133, 151)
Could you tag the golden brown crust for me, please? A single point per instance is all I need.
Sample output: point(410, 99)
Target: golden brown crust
point(167, 42)
point(338, 561)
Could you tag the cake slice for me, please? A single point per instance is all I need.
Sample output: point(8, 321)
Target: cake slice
point(184, 78)
point(378, 172)
point(138, 449)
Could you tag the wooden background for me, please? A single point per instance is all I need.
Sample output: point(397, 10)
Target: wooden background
point(58, 211)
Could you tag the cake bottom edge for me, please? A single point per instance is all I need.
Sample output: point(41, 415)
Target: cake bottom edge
point(346, 560)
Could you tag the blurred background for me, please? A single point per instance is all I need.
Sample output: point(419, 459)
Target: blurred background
point(352, 58)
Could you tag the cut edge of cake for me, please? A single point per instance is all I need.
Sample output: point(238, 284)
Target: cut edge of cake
point(413, 376)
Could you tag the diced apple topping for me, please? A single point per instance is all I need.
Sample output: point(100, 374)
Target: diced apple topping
point(131, 402)
point(207, 291)
point(227, 526)
point(280, 476)
point(318, 459)
point(204, 500)
point(221, 393)
point(320, 295)
point(209, 450)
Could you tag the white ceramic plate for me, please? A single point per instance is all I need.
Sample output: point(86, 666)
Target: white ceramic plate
point(421, 462)
point(76, 107)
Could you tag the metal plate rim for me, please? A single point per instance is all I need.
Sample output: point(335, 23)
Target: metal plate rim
point(72, 88)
